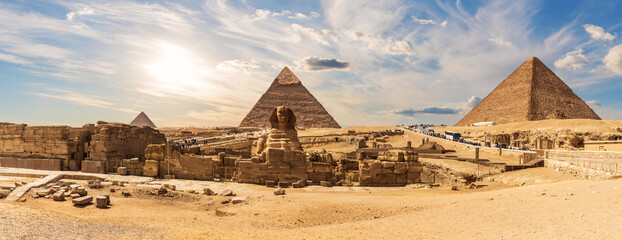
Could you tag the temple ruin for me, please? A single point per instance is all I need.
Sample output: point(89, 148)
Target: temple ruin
point(532, 92)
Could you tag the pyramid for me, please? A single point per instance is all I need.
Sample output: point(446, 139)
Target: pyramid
point(287, 90)
point(531, 93)
point(142, 121)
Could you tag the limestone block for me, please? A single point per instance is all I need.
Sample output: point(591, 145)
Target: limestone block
point(270, 183)
point(237, 200)
point(59, 196)
point(82, 200)
point(122, 171)
point(326, 184)
point(227, 192)
point(279, 191)
point(150, 169)
point(102, 201)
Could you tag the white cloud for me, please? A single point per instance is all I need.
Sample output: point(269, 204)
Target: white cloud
point(594, 103)
point(261, 14)
point(598, 33)
point(282, 13)
point(83, 11)
point(398, 48)
point(572, 60)
point(320, 36)
point(298, 16)
point(501, 42)
point(613, 60)
point(423, 21)
point(370, 16)
point(80, 99)
point(428, 21)
point(13, 59)
point(238, 65)
point(387, 46)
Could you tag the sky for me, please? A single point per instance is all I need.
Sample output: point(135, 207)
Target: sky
point(206, 63)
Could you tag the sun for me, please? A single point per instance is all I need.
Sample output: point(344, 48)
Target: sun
point(175, 68)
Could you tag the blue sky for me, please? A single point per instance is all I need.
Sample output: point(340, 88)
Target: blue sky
point(205, 63)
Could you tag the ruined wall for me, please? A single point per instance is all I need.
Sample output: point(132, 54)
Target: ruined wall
point(395, 167)
point(283, 166)
point(113, 142)
point(167, 159)
point(63, 143)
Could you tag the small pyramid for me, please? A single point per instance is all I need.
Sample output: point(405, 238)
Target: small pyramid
point(531, 93)
point(287, 90)
point(142, 121)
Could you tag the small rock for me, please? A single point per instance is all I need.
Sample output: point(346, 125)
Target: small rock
point(18, 184)
point(570, 194)
point(162, 190)
point(59, 196)
point(237, 200)
point(454, 188)
point(126, 194)
point(225, 201)
point(208, 191)
point(279, 191)
point(190, 190)
point(112, 190)
point(227, 192)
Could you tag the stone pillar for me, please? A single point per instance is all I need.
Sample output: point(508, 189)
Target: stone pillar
point(477, 155)
point(409, 144)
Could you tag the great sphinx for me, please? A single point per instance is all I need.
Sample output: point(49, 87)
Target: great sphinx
point(283, 134)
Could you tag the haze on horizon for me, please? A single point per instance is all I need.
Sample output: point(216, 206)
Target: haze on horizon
point(206, 63)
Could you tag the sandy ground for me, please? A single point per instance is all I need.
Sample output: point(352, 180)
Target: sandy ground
point(562, 208)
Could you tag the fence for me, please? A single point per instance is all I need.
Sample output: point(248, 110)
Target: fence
point(602, 161)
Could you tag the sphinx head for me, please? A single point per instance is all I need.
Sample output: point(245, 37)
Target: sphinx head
point(283, 118)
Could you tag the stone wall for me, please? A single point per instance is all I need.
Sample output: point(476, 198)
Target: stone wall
point(167, 160)
point(44, 142)
point(32, 163)
point(394, 167)
point(113, 142)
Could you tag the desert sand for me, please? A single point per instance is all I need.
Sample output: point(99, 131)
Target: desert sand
point(557, 208)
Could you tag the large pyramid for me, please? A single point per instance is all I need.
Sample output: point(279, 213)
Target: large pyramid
point(532, 92)
point(142, 121)
point(287, 90)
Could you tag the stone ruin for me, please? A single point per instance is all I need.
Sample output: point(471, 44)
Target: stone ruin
point(89, 148)
point(281, 158)
point(273, 157)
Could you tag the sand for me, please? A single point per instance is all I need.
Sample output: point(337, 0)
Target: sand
point(561, 209)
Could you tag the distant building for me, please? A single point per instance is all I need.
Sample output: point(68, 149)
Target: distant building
point(610, 145)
